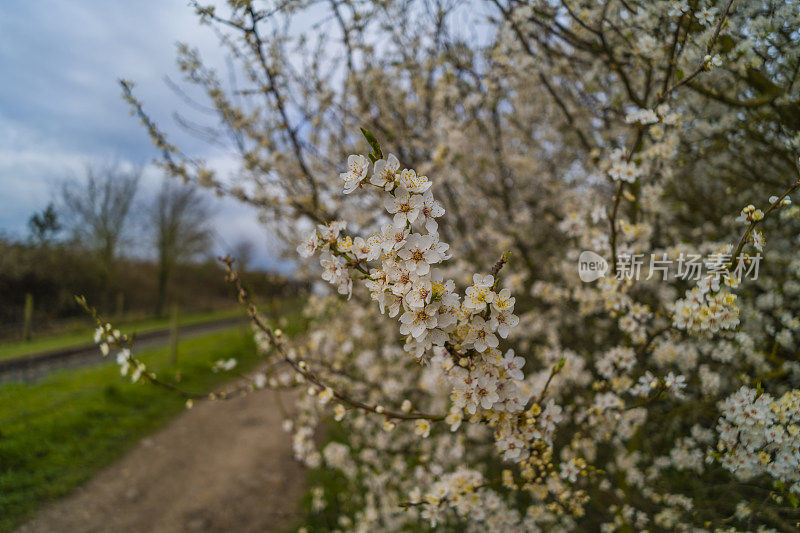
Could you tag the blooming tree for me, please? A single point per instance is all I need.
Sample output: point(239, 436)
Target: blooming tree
point(481, 383)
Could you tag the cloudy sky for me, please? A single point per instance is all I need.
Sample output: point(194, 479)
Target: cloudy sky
point(60, 105)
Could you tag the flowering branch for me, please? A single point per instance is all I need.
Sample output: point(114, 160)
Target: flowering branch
point(755, 220)
point(107, 337)
point(301, 367)
point(703, 65)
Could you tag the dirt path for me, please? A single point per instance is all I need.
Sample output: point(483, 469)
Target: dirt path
point(221, 466)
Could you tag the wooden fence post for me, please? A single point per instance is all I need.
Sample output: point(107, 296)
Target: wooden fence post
point(173, 335)
point(120, 305)
point(28, 317)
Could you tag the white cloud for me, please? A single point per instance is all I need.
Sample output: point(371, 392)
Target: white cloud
point(60, 105)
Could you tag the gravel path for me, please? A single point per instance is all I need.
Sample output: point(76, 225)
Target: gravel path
point(34, 366)
point(221, 466)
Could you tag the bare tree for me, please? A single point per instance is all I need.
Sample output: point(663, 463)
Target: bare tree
point(44, 225)
point(180, 218)
point(243, 251)
point(97, 210)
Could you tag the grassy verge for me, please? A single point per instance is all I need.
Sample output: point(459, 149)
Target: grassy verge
point(336, 489)
point(81, 334)
point(55, 433)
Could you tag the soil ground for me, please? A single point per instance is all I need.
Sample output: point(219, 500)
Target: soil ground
point(221, 466)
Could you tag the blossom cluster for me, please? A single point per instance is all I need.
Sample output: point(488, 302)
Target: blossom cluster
point(398, 265)
point(458, 336)
point(456, 490)
point(710, 306)
point(108, 338)
point(760, 434)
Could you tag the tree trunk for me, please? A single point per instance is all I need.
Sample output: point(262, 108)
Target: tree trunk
point(161, 295)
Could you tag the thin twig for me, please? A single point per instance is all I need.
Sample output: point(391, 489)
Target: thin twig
point(754, 223)
point(301, 367)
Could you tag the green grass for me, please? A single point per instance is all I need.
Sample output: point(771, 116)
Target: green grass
point(57, 432)
point(81, 334)
point(335, 486)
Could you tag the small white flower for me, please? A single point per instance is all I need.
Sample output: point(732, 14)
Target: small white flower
point(309, 245)
point(513, 364)
point(384, 171)
point(714, 61)
point(503, 321)
point(420, 293)
point(431, 210)
point(405, 207)
point(642, 116)
point(416, 322)
point(480, 293)
point(504, 301)
point(137, 372)
point(414, 183)
point(511, 447)
point(422, 428)
point(394, 238)
point(624, 171)
point(361, 248)
point(486, 392)
point(357, 168)
point(325, 396)
point(706, 15)
point(338, 412)
point(418, 254)
point(678, 8)
point(481, 335)
point(570, 471)
point(123, 356)
point(224, 365)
